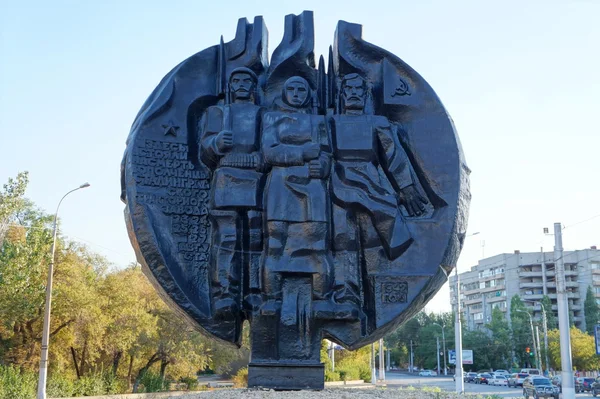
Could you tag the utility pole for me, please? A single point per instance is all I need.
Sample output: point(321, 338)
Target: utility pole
point(373, 374)
point(545, 337)
point(387, 364)
point(412, 365)
point(444, 347)
point(332, 354)
point(563, 317)
point(381, 360)
point(458, 371)
point(532, 333)
point(539, 354)
point(438, 354)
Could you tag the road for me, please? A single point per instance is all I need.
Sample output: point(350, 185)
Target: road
point(404, 379)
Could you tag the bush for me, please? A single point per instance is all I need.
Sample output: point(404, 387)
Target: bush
point(331, 375)
point(152, 382)
point(60, 386)
point(15, 384)
point(240, 380)
point(349, 373)
point(191, 382)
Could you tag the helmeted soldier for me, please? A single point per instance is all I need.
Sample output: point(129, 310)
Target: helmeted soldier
point(371, 178)
point(230, 147)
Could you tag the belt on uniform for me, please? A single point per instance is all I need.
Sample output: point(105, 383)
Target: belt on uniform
point(242, 161)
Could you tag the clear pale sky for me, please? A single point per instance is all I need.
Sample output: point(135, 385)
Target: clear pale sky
point(519, 78)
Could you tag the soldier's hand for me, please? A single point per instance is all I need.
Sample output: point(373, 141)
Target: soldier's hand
point(315, 169)
point(311, 151)
point(224, 140)
point(414, 203)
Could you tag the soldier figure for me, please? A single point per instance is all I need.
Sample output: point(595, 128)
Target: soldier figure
point(296, 146)
point(371, 177)
point(230, 145)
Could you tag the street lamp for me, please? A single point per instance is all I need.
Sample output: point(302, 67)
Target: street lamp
point(46, 328)
point(443, 346)
point(531, 325)
point(545, 322)
point(458, 371)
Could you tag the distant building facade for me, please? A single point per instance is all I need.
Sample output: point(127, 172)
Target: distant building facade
point(494, 281)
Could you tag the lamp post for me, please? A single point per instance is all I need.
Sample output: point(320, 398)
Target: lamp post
point(458, 371)
point(532, 333)
point(545, 325)
point(443, 346)
point(46, 328)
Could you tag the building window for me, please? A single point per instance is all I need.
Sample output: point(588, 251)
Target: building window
point(478, 316)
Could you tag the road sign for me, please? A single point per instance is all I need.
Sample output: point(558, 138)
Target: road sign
point(597, 336)
point(467, 356)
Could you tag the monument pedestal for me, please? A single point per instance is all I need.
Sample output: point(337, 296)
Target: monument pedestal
point(281, 376)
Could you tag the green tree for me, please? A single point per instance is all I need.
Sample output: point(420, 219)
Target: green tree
point(551, 320)
point(11, 201)
point(500, 351)
point(521, 331)
point(482, 345)
point(591, 311)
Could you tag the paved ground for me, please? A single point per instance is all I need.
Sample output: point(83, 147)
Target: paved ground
point(400, 379)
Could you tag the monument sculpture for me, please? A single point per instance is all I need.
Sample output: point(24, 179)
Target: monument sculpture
point(314, 202)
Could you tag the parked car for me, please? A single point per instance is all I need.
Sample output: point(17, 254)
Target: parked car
point(586, 384)
point(427, 373)
point(482, 378)
point(498, 379)
point(471, 376)
point(539, 387)
point(516, 379)
point(596, 387)
point(577, 383)
point(531, 371)
point(503, 372)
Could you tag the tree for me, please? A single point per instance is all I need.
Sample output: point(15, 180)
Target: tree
point(591, 311)
point(583, 350)
point(501, 349)
point(11, 201)
point(521, 331)
point(551, 320)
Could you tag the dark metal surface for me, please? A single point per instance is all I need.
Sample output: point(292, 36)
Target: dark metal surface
point(315, 204)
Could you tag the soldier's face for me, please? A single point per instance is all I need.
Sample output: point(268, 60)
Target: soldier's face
point(354, 93)
point(242, 85)
point(296, 93)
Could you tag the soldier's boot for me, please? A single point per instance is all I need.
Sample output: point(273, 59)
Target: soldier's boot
point(225, 263)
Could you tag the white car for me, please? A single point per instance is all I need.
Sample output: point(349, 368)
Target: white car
point(428, 373)
point(498, 379)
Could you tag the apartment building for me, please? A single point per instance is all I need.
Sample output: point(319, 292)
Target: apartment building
point(494, 281)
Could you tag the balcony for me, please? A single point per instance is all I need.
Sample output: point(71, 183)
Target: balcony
point(472, 301)
point(572, 273)
point(534, 297)
point(570, 295)
point(595, 271)
point(535, 284)
point(530, 274)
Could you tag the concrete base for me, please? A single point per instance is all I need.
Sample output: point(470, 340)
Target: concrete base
point(286, 376)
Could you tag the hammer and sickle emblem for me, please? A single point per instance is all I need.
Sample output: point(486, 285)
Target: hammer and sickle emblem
point(401, 89)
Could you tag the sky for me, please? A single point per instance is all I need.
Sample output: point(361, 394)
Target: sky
point(519, 78)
